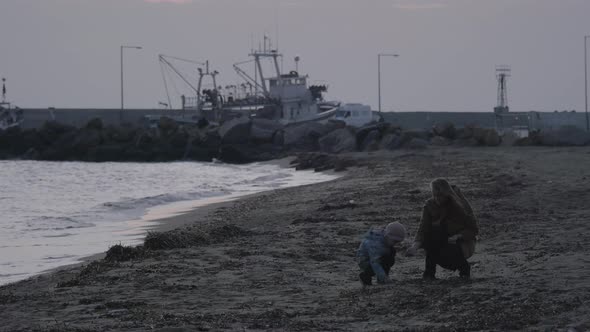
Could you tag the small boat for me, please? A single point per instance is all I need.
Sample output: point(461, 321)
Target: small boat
point(9, 116)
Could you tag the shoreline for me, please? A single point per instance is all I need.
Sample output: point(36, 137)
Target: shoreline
point(175, 215)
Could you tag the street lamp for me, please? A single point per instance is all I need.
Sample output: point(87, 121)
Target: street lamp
point(586, 79)
point(122, 94)
point(379, 74)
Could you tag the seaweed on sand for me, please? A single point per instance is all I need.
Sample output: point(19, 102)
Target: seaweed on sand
point(119, 253)
point(192, 237)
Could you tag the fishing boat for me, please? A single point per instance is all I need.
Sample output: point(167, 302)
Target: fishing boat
point(9, 116)
point(285, 97)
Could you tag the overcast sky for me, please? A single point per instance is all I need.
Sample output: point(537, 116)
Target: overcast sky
point(65, 53)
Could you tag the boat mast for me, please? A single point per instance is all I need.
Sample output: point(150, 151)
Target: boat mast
point(266, 52)
point(3, 90)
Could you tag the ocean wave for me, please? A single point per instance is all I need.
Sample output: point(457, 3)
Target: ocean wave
point(58, 235)
point(50, 258)
point(151, 201)
point(48, 223)
point(266, 180)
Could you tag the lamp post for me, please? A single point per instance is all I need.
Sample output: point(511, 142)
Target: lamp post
point(586, 79)
point(122, 94)
point(379, 74)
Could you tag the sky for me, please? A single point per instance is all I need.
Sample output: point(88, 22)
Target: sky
point(66, 53)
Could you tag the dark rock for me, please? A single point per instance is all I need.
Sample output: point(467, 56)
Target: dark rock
point(16, 142)
point(565, 136)
point(524, 141)
point(235, 131)
point(95, 124)
point(446, 130)
point(202, 123)
point(31, 154)
point(145, 138)
point(417, 143)
point(322, 162)
point(371, 141)
point(246, 153)
point(466, 142)
point(199, 153)
point(338, 141)
point(440, 141)
point(509, 138)
point(179, 139)
point(363, 132)
point(75, 145)
point(120, 134)
point(409, 135)
point(396, 130)
point(479, 134)
point(464, 133)
point(491, 138)
point(119, 253)
point(315, 161)
point(167, 125)
point(162, 151)
point(11, 142)
point(51, 131)
point(279, 138)
point(343, 164)
point(333, 125)
point(295, 136)
point(305, 136)
point(390, 142)
point(134, 153)
point(114, 152)
point(263, 130)
point(211, 140)
point(82, 140)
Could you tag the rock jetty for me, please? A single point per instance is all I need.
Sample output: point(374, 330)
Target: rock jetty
point(244, 140)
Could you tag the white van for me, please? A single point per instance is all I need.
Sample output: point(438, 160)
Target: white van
point(355, 115)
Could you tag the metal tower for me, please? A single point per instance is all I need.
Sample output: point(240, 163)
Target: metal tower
point(502, 73)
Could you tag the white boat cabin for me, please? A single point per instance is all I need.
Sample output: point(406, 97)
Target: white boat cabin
point(355, 115)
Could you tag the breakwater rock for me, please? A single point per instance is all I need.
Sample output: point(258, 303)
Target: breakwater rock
point(244, 140)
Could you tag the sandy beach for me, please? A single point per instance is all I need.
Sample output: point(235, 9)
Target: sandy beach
point(285, 259)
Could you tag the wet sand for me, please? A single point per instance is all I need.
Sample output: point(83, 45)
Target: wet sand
point(287, 259)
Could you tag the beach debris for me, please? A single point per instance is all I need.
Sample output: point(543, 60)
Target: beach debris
point(89, 271)
point(119, 253)
point(174, 239)
point(184, 238)
point(320, 162)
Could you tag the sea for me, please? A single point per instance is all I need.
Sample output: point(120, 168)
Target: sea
point(54, 214)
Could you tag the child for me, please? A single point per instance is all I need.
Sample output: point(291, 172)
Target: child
point(376, 253)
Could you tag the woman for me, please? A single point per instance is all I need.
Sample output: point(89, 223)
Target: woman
point(447, 232)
